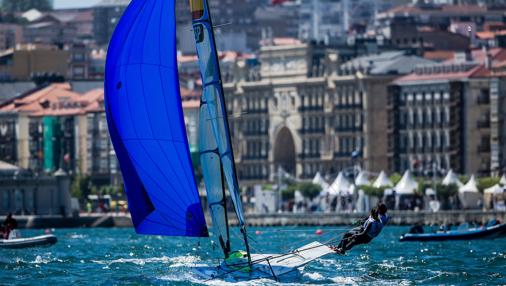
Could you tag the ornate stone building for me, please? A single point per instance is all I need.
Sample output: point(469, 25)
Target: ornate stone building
point(304, 111)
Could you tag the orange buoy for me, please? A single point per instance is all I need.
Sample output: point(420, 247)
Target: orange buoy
point(319, 232)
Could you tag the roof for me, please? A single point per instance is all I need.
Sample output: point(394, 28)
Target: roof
point(392, 62)
point(86, 86)
point(112, 3)
point(10, 90)
point(455, 69)
point(55, 99)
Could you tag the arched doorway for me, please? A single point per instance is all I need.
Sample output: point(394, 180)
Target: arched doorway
point(284, 151)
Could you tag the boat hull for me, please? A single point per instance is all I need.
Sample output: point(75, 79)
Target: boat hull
point(280, 267)
point(43, 240)
point(476, 233)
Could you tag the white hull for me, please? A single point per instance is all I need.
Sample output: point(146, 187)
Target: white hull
point(28, 242)
point(271, 266)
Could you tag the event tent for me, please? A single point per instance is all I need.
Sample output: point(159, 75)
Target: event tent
point(407, 185)
point(340, 186)
point(382, 181)
point(320, 181)
point(469, 195)
point(361, 179)
point(452, 179)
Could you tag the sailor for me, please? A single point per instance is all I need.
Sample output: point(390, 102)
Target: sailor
point(369, 230)
point(9, 224)
point(382, 213)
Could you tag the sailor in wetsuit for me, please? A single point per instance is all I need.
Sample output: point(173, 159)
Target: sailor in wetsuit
point(369, 230)
point(9, 224)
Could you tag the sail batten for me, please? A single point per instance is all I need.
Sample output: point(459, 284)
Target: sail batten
point(146, 124)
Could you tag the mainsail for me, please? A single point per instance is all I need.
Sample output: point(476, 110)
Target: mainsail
point(214, 102)
point(213, 178)
point(146, 124)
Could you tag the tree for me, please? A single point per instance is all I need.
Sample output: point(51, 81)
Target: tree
point(309, 190)
point(12, 6)
point(373, 191)
point(395, 178)
point(485, 183)
point(80, 186)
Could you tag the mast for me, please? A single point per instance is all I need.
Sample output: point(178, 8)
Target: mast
point(215, 100)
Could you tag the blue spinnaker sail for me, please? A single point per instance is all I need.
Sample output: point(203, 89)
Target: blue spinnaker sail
point(146, 124)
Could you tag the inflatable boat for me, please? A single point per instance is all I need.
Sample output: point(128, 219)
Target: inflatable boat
point(458, 234)
point(43, 240)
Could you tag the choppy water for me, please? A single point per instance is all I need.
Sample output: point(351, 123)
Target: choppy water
point(121, 257)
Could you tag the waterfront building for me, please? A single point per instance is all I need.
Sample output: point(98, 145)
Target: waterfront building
point(303, 110)
point(21, 62)
point(106, 15)
point(440, 116)
point(10, 35)
point(25, 193)
point(57, 27)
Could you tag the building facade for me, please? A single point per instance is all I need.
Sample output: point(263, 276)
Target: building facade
point(303, 110)
point(446, 116)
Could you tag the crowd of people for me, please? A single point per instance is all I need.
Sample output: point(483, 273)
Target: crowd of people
point(8, 226)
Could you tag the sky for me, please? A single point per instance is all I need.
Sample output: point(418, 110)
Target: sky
point(60, 4)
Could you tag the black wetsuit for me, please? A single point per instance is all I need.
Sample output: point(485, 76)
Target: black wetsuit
point(360, 235)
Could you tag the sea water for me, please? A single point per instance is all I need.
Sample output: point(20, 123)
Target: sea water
point(121, 257)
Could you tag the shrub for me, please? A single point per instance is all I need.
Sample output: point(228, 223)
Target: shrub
point(485, 183)
point(395, 178)
point(372, 191)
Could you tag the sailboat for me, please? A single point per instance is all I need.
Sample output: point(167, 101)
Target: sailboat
point(145, 119)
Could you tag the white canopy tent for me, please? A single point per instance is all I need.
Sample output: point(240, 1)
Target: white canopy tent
point(469, 195)
point(340, 186)
point(407, 185)
point(452, 179)
point(382, 181)
point(495, 189)
point(320, 181)
point(362, 179)
point(503, 180)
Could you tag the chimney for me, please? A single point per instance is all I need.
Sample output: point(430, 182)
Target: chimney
point(488, 58)
point(469, 55)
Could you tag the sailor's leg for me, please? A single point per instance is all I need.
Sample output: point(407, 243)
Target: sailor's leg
point(361, 239)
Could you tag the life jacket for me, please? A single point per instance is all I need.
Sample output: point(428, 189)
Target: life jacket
point(375, 227)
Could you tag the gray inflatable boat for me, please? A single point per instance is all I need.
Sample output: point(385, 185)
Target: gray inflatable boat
point(43, 240)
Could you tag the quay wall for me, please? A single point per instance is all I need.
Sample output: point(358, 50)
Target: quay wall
point(261, 220)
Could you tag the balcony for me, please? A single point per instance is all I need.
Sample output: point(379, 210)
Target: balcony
point(484, 148)
point(312, 131)
point(483, 124)
point(309, 155)
point(310, 108)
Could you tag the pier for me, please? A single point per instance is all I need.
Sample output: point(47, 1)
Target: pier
point(275, 219)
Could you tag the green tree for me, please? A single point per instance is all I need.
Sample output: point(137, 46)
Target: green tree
point(80, 186)
point(12, 6)
point(373, 191)
point(309, 190)
point(485, 183)
point(395, 178)
point(289, 193)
